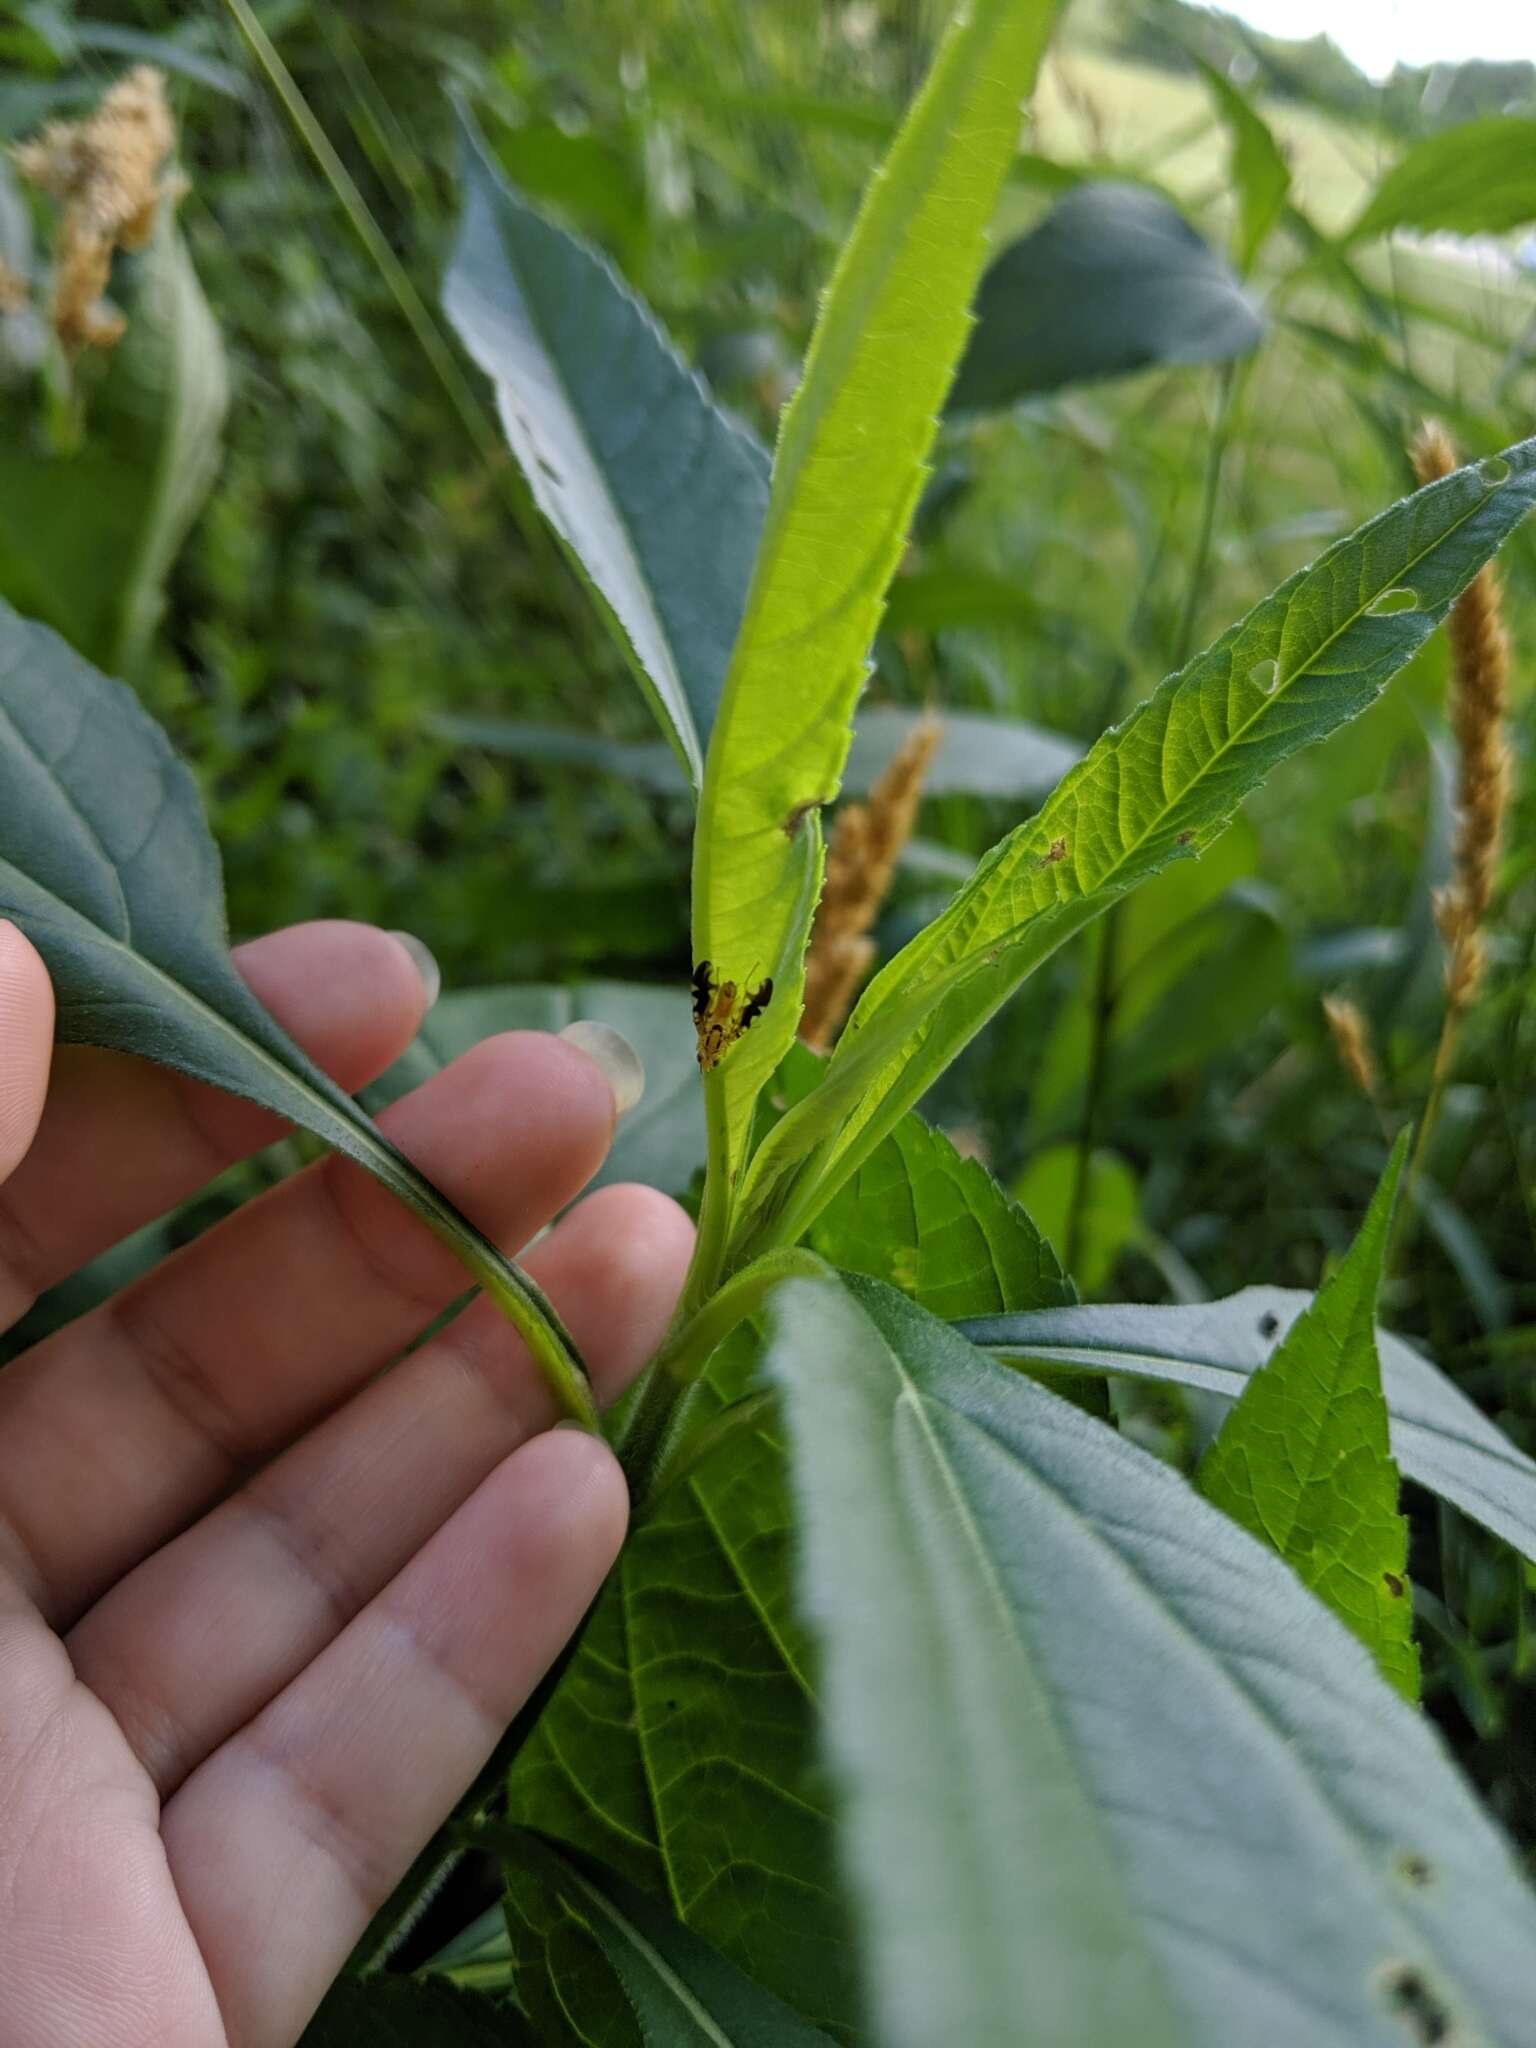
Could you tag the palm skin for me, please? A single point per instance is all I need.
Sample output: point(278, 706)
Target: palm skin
point(263, 1611)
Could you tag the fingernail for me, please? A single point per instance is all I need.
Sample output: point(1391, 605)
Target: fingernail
point(423, 961)
point(618, 1059)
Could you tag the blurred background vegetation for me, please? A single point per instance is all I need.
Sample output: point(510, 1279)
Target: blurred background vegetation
point(338, 633)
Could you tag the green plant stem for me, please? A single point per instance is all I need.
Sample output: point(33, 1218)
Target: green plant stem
point(643, 1446)
point(1105, 996)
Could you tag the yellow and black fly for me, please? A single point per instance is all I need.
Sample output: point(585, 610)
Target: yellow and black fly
point(716, 1014)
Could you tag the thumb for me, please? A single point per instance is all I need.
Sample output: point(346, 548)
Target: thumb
point(26, 1044)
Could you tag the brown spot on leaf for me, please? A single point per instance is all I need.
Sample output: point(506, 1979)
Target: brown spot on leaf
point(1184, 838)
point(1411, 1999)
point(1056, 852)
point(1413, 1868)
point(800, 813)
point(1394, 1585)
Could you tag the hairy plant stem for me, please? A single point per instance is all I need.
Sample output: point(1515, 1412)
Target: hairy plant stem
point(1105, 998)
point(645, 1441)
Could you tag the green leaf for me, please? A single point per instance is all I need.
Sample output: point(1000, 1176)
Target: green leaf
point(846, 479)
point(684, 1993)
point(1307, 659)
point(680, 1748)
point(1260, 173)
point(1113, 280)
point(977, 755)
point(656, 494)
point(1304, 1461)
point(939, 1227)
point(107, 866)
point(661, 1141)
point(88, 537)
point(1110, 1206)
point(1108, 1771)
point(1478, 178)
point(1438, 1438)
point(404, 2012)
point(174, 350)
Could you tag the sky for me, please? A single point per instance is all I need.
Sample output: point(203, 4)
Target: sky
point(1377, 34)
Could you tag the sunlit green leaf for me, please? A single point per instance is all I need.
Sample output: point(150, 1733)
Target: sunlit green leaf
point(1478, 178)
point(1438, 1438)
point(658, 497)
point(1260, 172)
point(940, 1228)
point(847, 475)
point(1304, 1462)
point(1108, 1771)
point(1114, 279)
point(107, 866)
point(1307, 659)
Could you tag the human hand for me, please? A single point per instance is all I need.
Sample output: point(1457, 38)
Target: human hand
point(263, 1614)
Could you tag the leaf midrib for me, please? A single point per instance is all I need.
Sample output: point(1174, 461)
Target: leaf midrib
point(1237, 734)
point(912, 1397)
point(1281, 1744)
point(627, 1931)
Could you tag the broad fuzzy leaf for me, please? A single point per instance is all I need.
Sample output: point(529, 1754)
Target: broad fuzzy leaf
point(681, 1744)
point(658, 497)
point(1304, 1461)
point(1109, 1772)
point(1113, 280)
point(1306, 660)
point(847, 474)
point(1478, 178)
point(1438, 1438)
point(107, 866)
point(684, 1993)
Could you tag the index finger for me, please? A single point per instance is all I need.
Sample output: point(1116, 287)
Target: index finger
point(26, 1043)
point(122, 1142)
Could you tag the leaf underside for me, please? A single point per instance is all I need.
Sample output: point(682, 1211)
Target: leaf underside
point(657, 495)
point(107, 865)
point(1439, 1440)
point(1108, 1771)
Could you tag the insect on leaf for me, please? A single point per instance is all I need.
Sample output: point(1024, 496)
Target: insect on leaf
point(846, 478)
point(1306, 660)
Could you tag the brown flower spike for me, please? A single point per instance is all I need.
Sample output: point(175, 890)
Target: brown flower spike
point(105, 170)
point(1479, 698)
point(861, 860)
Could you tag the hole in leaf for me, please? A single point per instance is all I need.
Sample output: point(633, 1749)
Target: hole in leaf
point(1492, 471)
point(1409, 1998)
point(1399, 599)
point(1265, 675)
